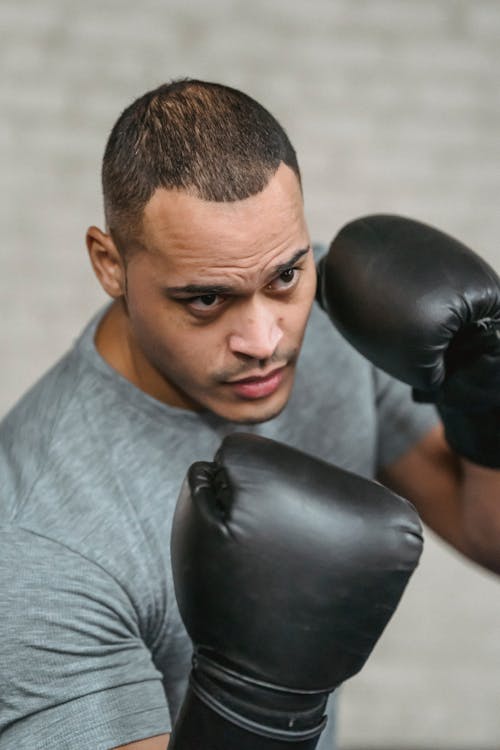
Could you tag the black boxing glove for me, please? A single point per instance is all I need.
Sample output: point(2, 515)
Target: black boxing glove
point(286, 571)
point(426, 309)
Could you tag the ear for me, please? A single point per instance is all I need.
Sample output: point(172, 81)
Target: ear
point(106, 261)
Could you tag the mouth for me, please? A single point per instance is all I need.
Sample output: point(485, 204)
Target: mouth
point(258, 386)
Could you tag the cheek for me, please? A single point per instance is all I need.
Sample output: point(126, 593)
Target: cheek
point(154, 324)
point(309, 294)
point(180, 348)
point(296, 318)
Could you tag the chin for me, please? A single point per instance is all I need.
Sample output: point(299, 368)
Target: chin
point(259, 419)
point(255, 412)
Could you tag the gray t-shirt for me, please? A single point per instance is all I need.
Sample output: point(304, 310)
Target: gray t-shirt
point(92, 650)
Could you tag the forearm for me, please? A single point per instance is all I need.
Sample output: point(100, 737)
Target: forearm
point(160, 742)
point(458, 500)
point(480, 503)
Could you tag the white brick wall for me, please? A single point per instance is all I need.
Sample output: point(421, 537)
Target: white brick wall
point(393, 106)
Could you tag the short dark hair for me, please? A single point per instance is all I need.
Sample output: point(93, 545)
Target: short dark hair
point(210, 140)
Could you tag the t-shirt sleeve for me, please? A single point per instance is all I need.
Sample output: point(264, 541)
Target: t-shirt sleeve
point(400, 421)
point(74, 670)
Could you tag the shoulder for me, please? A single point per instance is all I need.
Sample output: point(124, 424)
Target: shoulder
point(72, 481)
point(26, 432)
point(52, 481)
point(47, 435)
point(35, 417)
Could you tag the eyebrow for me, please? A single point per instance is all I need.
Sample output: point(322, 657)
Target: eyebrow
point(200, 289)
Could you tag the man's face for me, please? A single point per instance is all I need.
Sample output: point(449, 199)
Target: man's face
point(219, 301)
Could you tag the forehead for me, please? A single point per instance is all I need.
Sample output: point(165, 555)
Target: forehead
point(183, 232)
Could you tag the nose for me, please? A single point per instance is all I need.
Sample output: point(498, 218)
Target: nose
point(256, 333)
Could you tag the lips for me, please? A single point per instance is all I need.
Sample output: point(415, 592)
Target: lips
point(258, 386)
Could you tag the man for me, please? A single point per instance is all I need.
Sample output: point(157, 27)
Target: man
point(208, 261)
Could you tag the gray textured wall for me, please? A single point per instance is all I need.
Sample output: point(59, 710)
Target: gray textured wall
point(394, 106)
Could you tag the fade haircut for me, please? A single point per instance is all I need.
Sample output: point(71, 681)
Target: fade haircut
point(212, 141)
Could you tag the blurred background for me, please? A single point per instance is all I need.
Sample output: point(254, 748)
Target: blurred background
point(393, 106)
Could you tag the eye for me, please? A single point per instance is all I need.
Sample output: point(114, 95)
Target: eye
point(285, 280)
point(288, 276)
point(205, 302)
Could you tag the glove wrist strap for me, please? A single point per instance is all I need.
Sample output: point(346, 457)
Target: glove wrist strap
point(204, 722)
point(473, 435)
point(255, 708)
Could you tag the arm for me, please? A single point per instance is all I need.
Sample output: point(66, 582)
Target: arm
point(457, 499)
point(426, 309)
point(151, 743)
point(76, 672)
